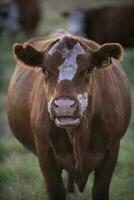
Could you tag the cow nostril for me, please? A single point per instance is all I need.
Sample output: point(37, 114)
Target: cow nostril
point(55, 105)
point(72, 105)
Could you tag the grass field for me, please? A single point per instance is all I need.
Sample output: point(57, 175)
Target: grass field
point(20, 176)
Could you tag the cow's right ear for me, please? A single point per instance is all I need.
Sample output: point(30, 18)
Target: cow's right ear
point(28, 54)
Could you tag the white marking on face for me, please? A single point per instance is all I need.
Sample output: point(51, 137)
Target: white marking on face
point(76, 19)
point(83, 100)
point(69, 67)
point(49, 106)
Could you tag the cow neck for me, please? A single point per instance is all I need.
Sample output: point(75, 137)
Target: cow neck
point(80, 136)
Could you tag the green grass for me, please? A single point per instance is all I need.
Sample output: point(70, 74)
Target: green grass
point(20, 176)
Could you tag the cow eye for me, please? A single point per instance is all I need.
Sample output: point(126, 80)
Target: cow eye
point(45, 71)
point(89, 70)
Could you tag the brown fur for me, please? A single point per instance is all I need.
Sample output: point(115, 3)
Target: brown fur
point(91, 146)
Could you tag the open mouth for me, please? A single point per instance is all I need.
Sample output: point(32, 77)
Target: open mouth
point(65, 122)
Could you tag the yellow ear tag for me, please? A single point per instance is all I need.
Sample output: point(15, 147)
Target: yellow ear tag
point(106, 62)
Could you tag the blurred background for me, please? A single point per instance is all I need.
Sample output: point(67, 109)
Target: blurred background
point(20, 176)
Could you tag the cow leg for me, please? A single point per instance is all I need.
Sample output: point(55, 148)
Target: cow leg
point(52, 175)
point(70, 186)
point(103, 174)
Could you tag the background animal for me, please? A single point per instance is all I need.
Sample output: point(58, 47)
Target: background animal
point(112, 23)
point(20, 16)
point(72, 112)
point(30, 15)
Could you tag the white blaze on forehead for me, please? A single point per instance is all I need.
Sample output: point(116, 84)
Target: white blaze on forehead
point(69, 67)
point(83, 100)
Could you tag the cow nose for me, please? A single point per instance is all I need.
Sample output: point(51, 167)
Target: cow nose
point(65, 111)
point(64, 102)
point(65, 106)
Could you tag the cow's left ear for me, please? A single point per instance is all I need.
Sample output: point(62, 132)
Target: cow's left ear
point(28, 54)
point(101, 58)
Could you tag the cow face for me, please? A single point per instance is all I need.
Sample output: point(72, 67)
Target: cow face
point(66, 61)
point(67, 66)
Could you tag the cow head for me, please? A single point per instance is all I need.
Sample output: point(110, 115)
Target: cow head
point(67, 66)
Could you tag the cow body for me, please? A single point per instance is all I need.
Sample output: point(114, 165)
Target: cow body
point(76, 128)
point(104, 24)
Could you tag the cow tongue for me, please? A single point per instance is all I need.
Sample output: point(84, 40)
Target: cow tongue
point(67, 122)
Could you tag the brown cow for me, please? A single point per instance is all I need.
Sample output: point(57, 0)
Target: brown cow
point(69, 103)
point(104, 24)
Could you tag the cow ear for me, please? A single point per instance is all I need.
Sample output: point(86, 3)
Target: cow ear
point(28, 54)
point(102, 57)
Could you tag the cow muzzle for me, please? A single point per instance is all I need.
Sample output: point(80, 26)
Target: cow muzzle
point(65, 112)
